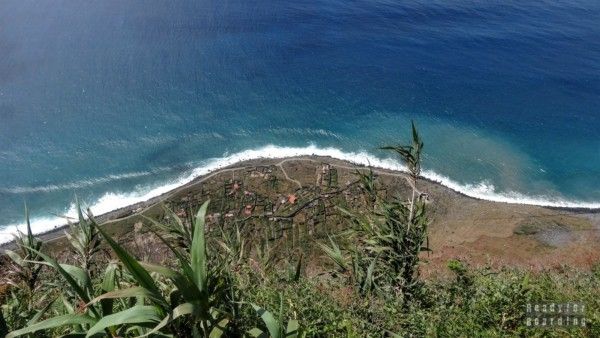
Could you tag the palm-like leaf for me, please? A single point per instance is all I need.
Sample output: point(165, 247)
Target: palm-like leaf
point(176, 230)
point(335, 254)
point(276, 327)
point(198, 250)
point(198, 294)
point(24, 267)
point(141, 275)
point(83, 237)
point(76, 278)
point(135, 315)
point(195, 283)
point(411, 154)
point(69, 319)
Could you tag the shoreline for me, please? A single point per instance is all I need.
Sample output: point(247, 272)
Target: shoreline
point(122, 213)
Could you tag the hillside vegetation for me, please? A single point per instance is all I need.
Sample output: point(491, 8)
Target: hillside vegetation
point(240, 259)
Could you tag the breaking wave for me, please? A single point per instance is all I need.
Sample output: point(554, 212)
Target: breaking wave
point(112, 201)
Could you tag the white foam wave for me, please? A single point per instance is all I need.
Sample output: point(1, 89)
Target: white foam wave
point(306, 131)
point(86, 182)
point(74, 185)
point(113, 201)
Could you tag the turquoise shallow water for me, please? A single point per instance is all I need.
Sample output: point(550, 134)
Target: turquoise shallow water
point(117, 102)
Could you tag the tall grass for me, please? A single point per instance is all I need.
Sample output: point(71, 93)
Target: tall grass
point(24, 269)
point(392, 235)
point(144, 299)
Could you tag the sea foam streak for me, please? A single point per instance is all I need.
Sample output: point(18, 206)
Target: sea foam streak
point(112, 201)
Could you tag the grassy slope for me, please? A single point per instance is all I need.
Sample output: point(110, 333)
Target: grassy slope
point(486, 299)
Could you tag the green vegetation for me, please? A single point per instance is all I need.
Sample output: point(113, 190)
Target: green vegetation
point(137, 298)
point(220, 277)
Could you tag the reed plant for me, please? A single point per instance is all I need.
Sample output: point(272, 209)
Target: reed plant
point(137, 298)
point(24, 270)
point(392, 235)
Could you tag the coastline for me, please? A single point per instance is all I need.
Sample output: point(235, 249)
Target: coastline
point(109, 202)
point(123, 213)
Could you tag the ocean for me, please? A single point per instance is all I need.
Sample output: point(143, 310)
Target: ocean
point(118, 101)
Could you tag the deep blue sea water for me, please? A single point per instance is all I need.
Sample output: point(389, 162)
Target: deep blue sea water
point(117, 101)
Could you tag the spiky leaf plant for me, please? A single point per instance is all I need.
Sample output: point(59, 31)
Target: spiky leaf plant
point(23, 268)
point(276, 327)
point(200, 288)
point(367, 184)
point(391, 237)
point(411, 156)
point(147, 300)
point(91, 316)
point(335, 254)
point(178, 231)
point(22, 274)
point(83, 238)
